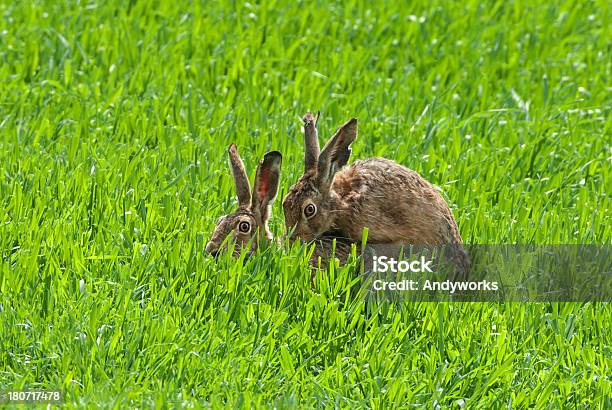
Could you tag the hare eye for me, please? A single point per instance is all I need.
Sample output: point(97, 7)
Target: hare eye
point(310, 210)
point(244, 227)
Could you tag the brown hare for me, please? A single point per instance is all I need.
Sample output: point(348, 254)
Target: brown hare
point(249, 223)
point(396, 204)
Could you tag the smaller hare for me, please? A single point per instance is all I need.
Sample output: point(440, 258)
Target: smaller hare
point(249, 223)
point(396, 204)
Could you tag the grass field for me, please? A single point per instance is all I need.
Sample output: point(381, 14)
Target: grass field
point(114, 122)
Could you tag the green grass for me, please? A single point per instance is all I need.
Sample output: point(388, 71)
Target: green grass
point(114, 122)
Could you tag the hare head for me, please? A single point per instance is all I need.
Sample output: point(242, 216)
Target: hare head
point(310, 204)
point(249, 223)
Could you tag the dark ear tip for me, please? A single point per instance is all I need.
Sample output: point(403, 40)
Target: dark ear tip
point(308, 117)
point(273, 156)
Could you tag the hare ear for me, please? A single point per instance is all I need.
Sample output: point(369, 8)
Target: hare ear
point(336, 152)
point(243, 190)
point(311, 141)
point(267, 179)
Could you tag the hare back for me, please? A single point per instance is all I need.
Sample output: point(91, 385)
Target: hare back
point(395, 203)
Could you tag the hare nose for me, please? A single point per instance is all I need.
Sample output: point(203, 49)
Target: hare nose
point(211, 249)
